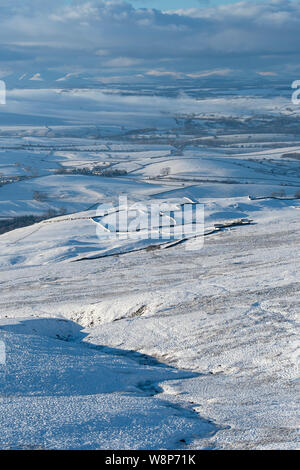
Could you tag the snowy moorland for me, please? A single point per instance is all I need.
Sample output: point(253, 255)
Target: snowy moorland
point(142, 342)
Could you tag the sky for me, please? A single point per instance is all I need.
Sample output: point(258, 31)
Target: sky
point(176, 4)
point(112, 40)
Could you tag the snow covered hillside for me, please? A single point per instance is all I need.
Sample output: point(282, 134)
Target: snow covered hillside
point(146, 342)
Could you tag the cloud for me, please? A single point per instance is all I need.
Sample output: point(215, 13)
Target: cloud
point(164, 73)
point(120, 62)
point(267, 74)
point(210, 73)
point(99, 36)
point(36, 78)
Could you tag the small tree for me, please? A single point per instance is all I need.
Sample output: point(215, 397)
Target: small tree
point(297, 194)
point(165, 171)
point(40, 196)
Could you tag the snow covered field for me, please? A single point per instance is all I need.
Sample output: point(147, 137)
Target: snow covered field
point(144, 343)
